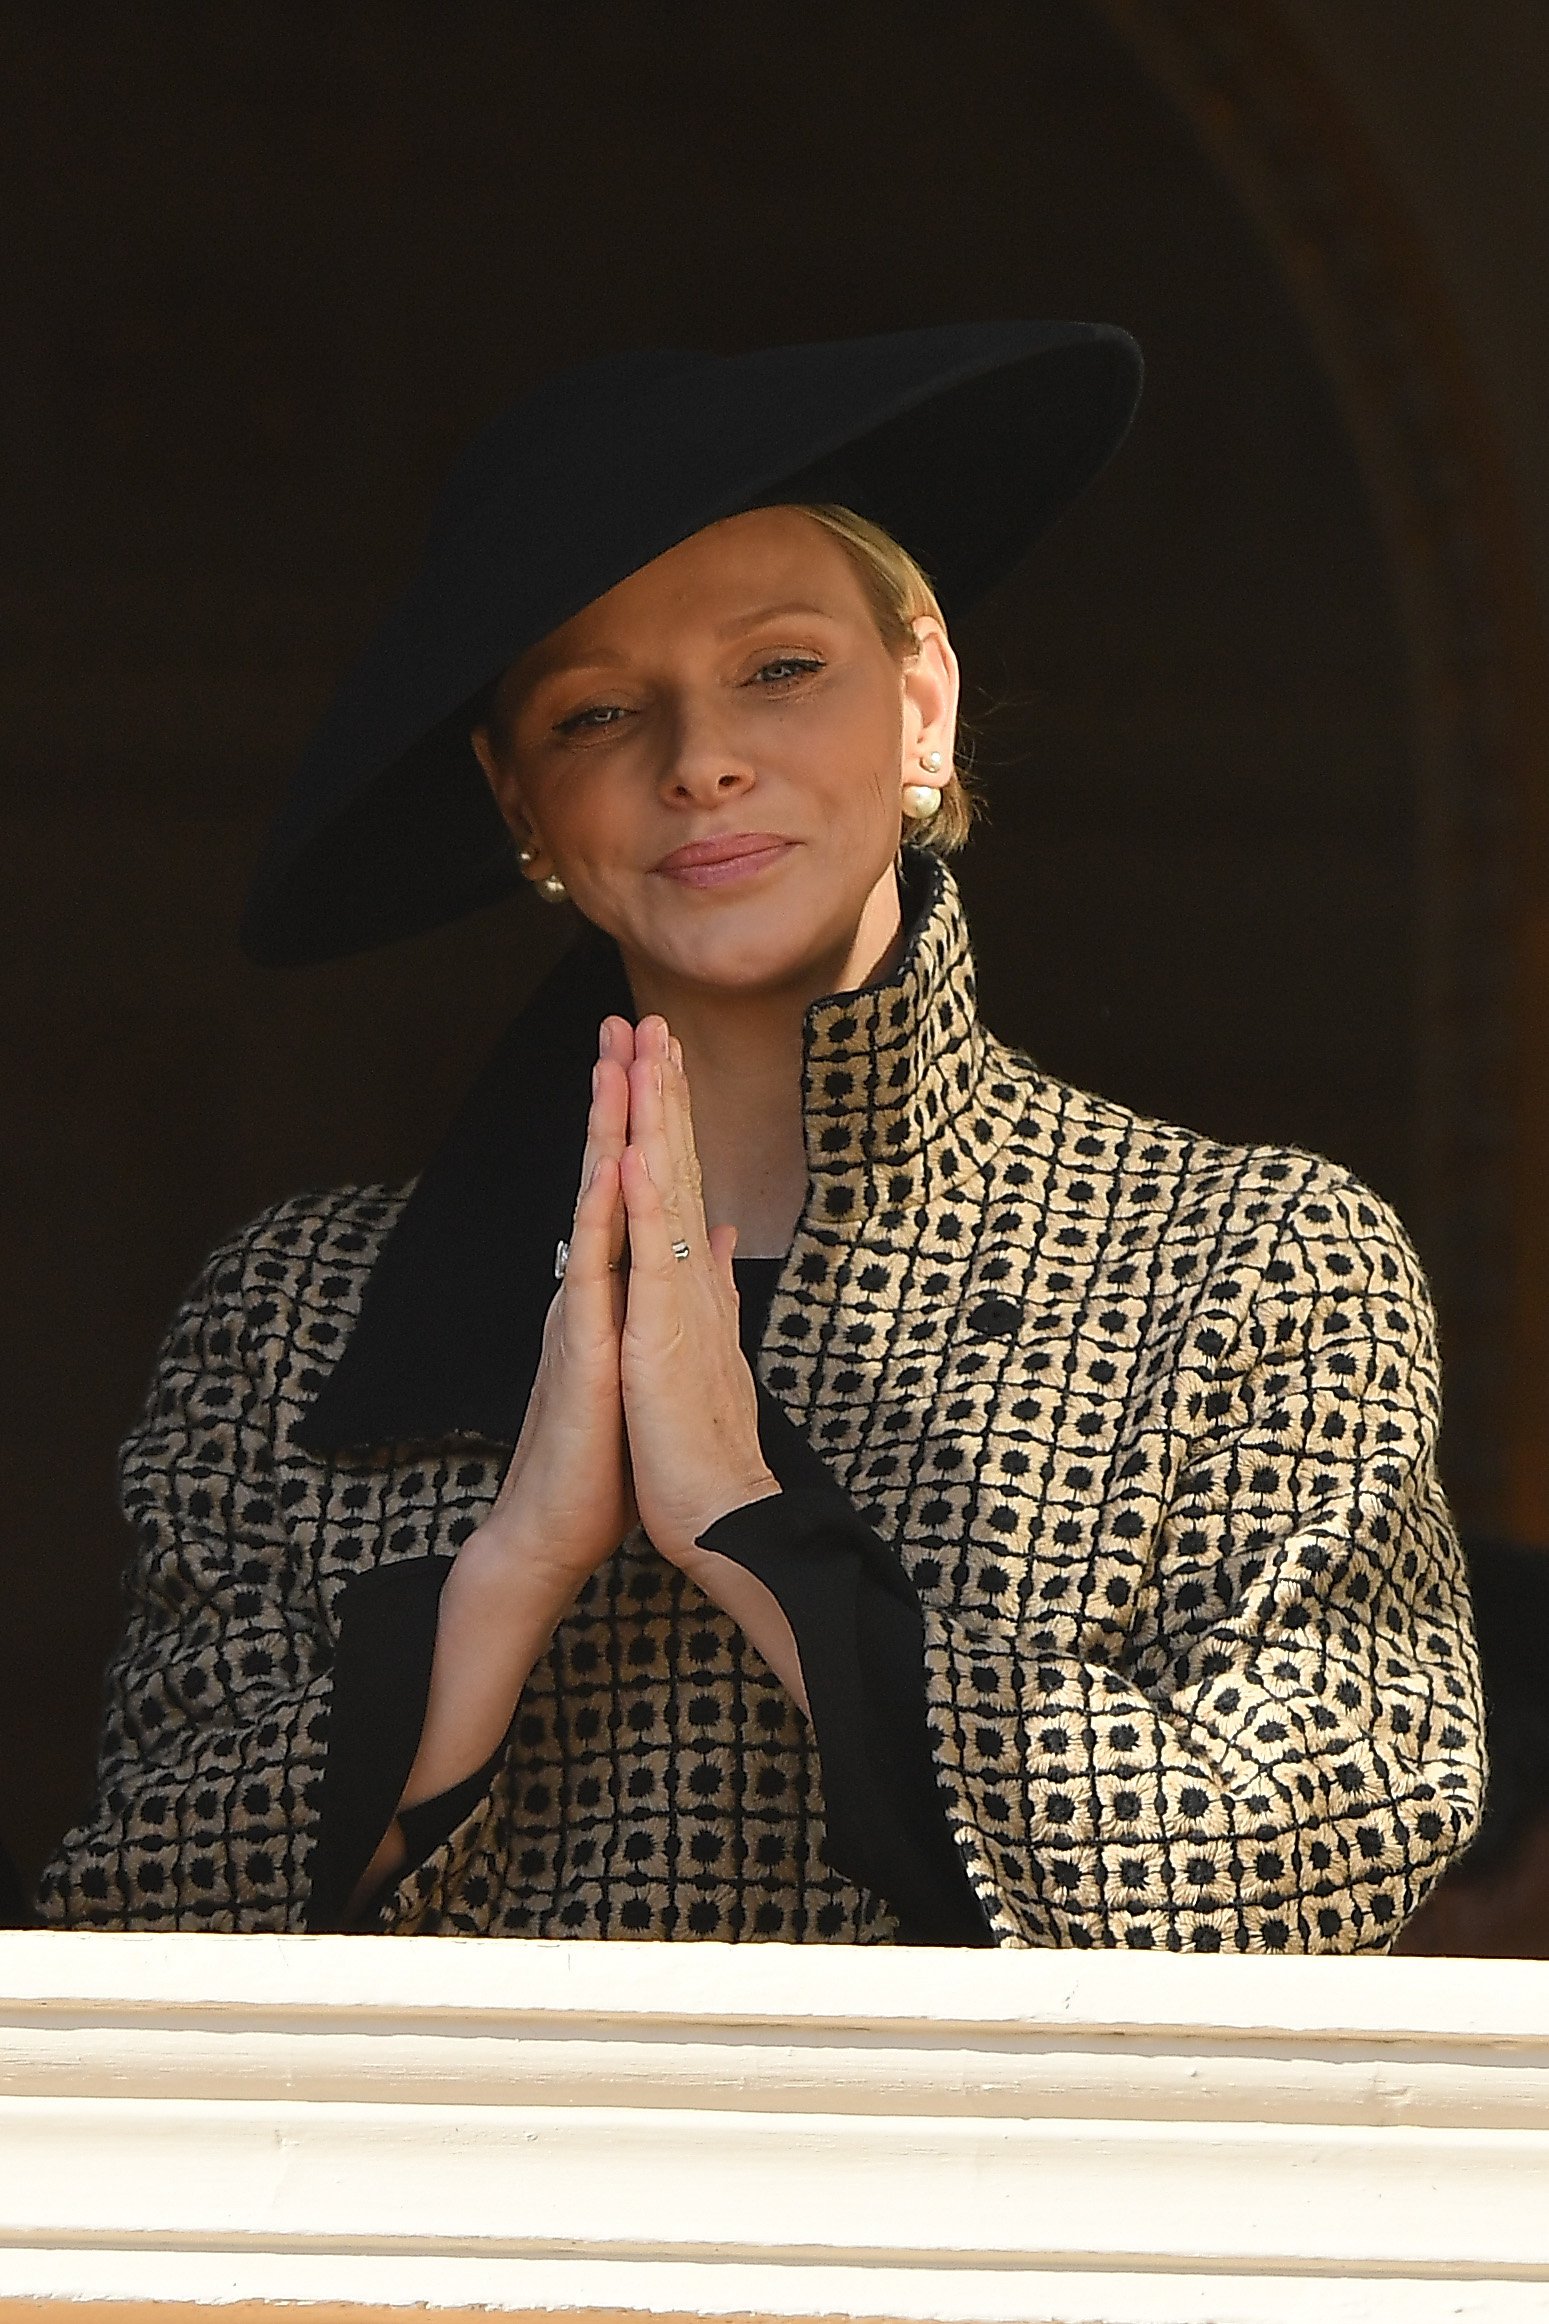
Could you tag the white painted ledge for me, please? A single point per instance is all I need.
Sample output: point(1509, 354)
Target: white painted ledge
point(782, 2131)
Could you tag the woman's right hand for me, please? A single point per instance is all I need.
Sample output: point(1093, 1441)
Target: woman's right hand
point(567, 1500)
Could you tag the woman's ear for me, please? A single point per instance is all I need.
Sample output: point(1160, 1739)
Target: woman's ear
point(502, 783)
point(535, 863)
point(931, 686)
point(484, 752)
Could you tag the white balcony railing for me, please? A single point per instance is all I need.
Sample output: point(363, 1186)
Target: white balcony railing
point(699, 2130)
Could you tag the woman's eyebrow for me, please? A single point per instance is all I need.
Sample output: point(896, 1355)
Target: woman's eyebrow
point(593, 658)
point(601, 657)
point(769, 613)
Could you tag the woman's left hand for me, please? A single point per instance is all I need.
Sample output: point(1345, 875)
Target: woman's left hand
point(690, 1405)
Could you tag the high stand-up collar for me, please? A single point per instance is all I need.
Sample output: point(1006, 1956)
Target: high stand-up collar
point(450, 1329)
point(891, 1072)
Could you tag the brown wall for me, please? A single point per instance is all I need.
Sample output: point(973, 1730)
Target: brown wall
point(277, 262)
point(1450, 106)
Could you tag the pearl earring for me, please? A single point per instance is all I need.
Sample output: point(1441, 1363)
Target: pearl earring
point(923, 799)
point(552, 889)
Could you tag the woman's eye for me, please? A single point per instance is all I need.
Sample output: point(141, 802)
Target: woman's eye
point(599, 717)
point(603, 713)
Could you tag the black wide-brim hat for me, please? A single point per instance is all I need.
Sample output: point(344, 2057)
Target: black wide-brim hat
point(964, 442)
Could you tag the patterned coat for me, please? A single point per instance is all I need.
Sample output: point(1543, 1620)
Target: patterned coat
point(1130, 1433)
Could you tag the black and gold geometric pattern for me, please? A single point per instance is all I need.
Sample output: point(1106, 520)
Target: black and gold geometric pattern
point(1149, 1421)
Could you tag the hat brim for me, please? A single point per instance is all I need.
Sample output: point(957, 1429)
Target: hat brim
point(965, 443)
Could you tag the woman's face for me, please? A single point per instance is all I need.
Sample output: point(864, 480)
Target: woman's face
point(712, 758)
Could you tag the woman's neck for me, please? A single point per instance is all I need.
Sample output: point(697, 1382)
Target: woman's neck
point(742, 1053)
point(744, 1078)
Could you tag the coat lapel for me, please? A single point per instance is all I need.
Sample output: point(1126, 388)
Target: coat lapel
point(451, 1326)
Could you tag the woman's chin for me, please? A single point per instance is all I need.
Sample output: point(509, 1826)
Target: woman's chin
point(746, 969)
point(760, 946)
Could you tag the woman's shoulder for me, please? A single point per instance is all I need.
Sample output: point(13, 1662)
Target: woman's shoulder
point(315, 1248)
point(270, 1308)
point(1183, 1184)
point(318, 1225)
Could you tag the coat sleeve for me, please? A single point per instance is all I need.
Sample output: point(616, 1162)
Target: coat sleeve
point(217, 1695)
point(859, 1637)
point(1254, 1725)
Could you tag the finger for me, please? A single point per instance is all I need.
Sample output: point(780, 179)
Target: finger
point(607, 1121)
point(608, 1114)
point(609, 1135)
point(618, 1040)
point(649, 1038)
point(648, 1137)
point(608, 1117)
point(673, 1156)
point(653, 1266)
point(606, 1129)
point(599, 1196)
point(723, 1249)
point(680, 1132)
point(587, 1283)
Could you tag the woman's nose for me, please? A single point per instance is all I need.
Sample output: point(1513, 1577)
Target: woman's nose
point(704, 764)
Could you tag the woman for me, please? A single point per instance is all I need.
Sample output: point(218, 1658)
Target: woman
point(1049, 1549)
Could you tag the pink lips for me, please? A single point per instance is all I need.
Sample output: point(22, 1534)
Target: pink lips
point(714, 863)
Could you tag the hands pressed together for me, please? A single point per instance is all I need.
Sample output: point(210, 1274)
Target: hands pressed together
point(643, 1406)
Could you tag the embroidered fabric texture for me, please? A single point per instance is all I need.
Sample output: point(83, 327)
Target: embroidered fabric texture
point(1148, 1423)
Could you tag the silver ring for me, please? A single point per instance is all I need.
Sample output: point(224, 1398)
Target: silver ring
point(562, 1260)
point(681, 1251)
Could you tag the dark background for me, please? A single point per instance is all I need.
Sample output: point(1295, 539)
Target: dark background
point(269, 266)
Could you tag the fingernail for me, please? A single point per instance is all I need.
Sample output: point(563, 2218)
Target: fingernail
point(596, 1078)
point(604, 1038)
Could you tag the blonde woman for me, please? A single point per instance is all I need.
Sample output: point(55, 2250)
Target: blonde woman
point(788, 1468)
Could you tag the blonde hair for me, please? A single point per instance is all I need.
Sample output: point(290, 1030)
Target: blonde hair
point(898, 592)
